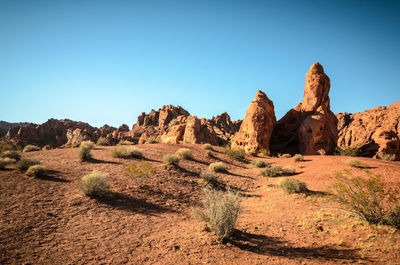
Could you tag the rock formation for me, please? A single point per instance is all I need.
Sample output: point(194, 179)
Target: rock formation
point(256, 129)
point(311, 125)
point(372, 131)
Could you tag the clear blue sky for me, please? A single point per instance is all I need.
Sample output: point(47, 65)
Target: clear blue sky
point(107, 61)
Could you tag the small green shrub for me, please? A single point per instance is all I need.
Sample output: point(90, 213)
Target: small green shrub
point(291, 185)
point(127, 152)
point(103, 141)
point(221, 210)
point(207, 146)
point(260, 163)
point(218, 167)
point(31, 148)
point(209, 153)
point(321, 152)
point(6, 161)
point(170, 159)
point(78, 141)
point(365, 197)
point(184, 153)
point(209, 178)
point(298, 158)
point(237, 154)
point(94, 184)
point(386, 157)
point(4, 146)
point(349, 151)
point(85, 149)
point(354, 163)
point(23, 164)
point(13, 154)
point(284, 156)
point(36, 171)
point(140, 173)
point(125, 142)
point(288, 170)
point(274, 171)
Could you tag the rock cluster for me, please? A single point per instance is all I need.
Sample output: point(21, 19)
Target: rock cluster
point(373, 131)
point(256, 129)
point(311, 125)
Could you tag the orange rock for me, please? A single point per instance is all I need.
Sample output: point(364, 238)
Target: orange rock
point(256, 128)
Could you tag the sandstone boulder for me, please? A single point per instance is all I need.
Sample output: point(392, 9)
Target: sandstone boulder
point(256, 129)
point(310, 125)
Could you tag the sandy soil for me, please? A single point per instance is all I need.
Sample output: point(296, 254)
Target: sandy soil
point(49, 220)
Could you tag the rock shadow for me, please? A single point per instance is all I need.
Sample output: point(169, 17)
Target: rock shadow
point(53, 175)
point(273, 246)
point(99, 161)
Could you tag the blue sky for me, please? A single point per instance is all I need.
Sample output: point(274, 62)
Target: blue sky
point(107, 61)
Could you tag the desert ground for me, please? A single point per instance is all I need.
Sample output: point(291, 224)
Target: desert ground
point(50, 221)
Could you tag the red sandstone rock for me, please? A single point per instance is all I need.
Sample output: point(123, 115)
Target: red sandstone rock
point(256, 128)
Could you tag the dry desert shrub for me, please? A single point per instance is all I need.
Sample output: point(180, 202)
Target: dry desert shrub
point(209, 178)
point(264, 152)
point(125, 142)
point(207, 146)
point(13, 154)
point(103, 141)
point(4, 146)
point(6, 161)
point(218, 167)
point(237, 154)
point(94, 184)
point(221, 211)
point(36, 171)
point(366, 197)
point(260, 163)
point(31, 148)
point(78, 141)
point(291, 185)
point(127, 152)
point(298, 158)
point(184, 153)
point(274, 171)
point(140, 173)
point(386, 157)
point(284, 156)
point(23, 164)
point(209, 153)
point(321, 152)
point(349, 151)
point(354, 163)
point(85, 149)
point(152, 140)
point(170, 159)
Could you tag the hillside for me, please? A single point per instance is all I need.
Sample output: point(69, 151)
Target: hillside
point(50, 221)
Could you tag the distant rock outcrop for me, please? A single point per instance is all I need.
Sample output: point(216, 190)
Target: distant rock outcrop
point(256, 129)
point(6, 126)
point(372, 131)
point(172, 124)
point(311, 125)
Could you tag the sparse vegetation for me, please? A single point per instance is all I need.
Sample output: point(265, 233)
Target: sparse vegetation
point(125, 142)
point(127, 152)
point(221, 211)
point(170, 159)
point(209, 178)
point(7, 146)
point(264, 152)
point(298, 158)
point(184, 153)
point(237, 154)
point(6, 161)
point(274, 171)
point(13, 154)
point(355, 163)
point(284, 156)
point(94, 184)
point(386, 157)
point(103, 141)
point(321, 152)
point(260, 163)
point(23, 164)
point(152, 140)
point(288, 170)
point(140, 173)
point(292, 185)
point(36, 171)
point(85, 149)
point(209, 153)
point(349, 151)
point(218, 167)
point(365, 197)
point(31, 148)
point(394, 217)
point(207, 146)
